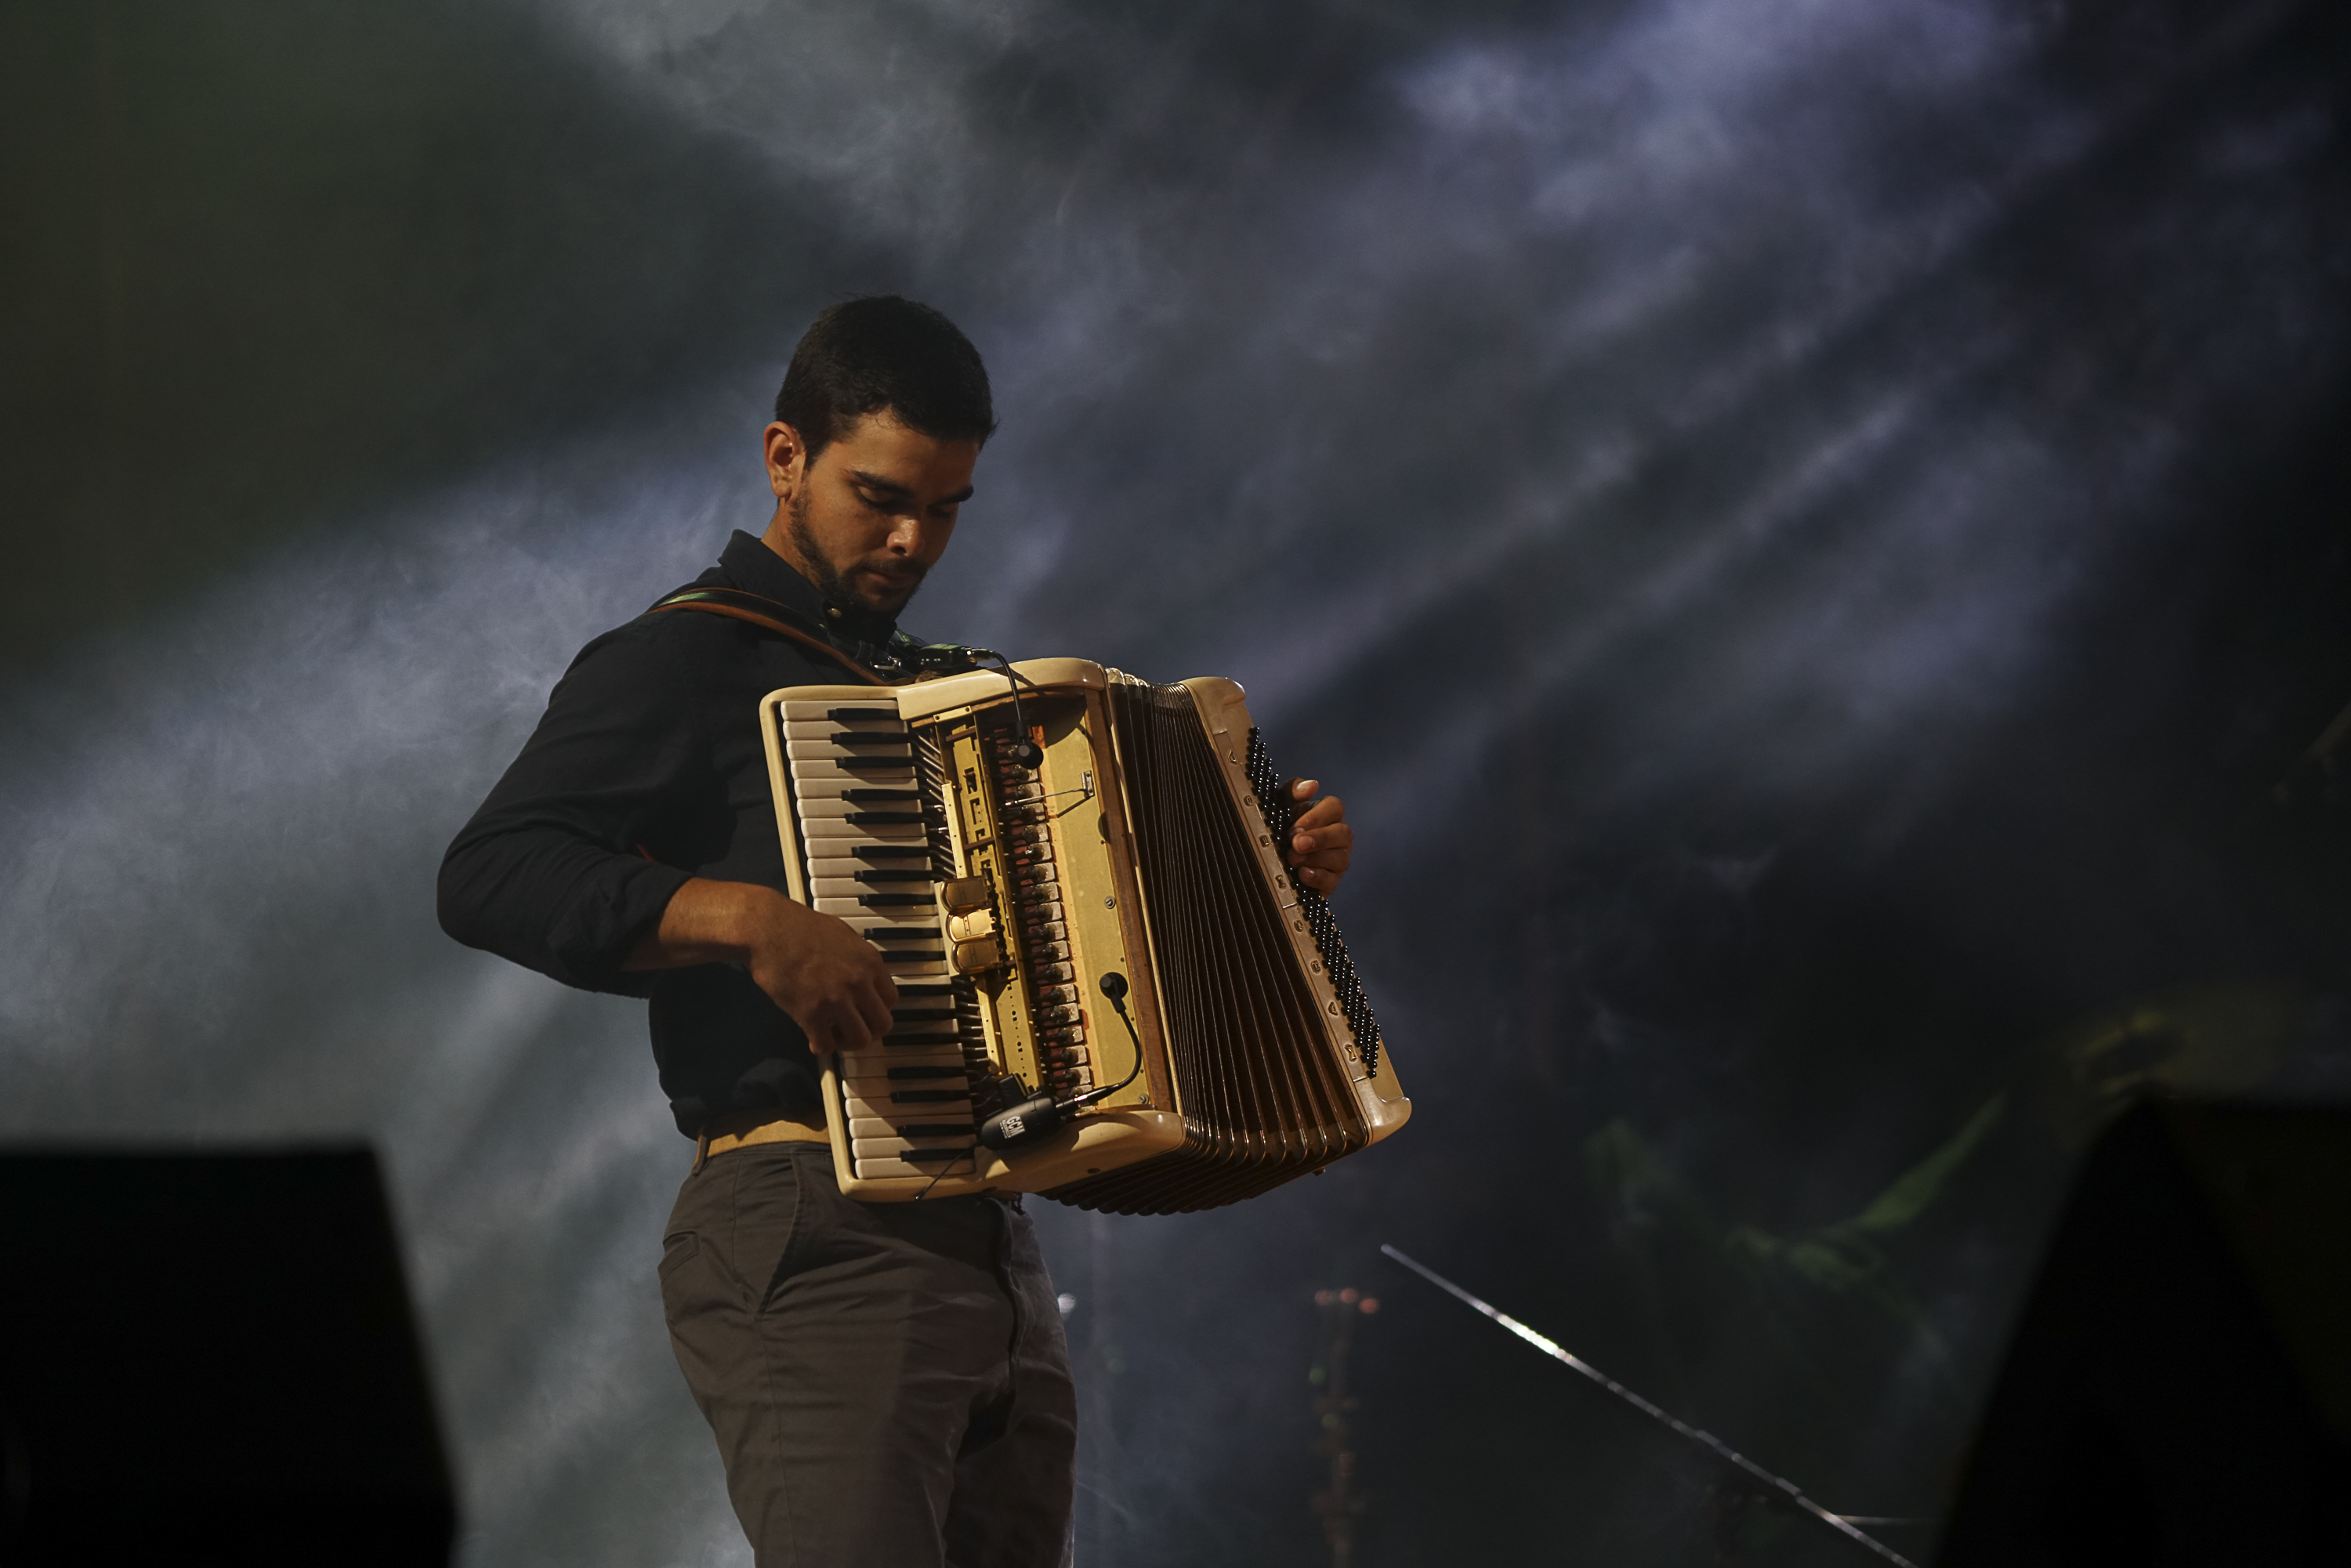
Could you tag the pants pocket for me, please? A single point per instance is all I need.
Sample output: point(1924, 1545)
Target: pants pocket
point(679, 1247)
point(767, 1213)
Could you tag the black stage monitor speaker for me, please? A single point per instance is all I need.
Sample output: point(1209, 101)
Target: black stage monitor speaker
point(2178, 1388)
point(210, 1359)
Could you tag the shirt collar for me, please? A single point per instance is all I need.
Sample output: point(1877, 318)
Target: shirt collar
point(751, 566)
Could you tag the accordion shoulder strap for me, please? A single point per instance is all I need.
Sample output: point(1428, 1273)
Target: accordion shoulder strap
point(737, 605)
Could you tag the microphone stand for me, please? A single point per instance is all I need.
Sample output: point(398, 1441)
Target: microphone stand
point(1707, 1440)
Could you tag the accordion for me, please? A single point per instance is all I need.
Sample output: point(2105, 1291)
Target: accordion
point(1111, 989)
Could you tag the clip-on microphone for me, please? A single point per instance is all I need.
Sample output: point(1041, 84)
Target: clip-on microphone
point(1041, 1115)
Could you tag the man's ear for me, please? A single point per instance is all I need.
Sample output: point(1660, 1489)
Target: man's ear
point(787, 458)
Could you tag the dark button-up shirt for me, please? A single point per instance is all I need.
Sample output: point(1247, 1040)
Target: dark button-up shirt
point(647, 769)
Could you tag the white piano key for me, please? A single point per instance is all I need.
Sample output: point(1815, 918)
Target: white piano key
point(899, 1111)
point(877, 1092)
point(885, 1121)
point(846, 906)
point(813, 807)
point(878, 1127)
point(822, 708)
point(863, 1063)
point(855, 721)
point(848, 751)
point(871, 1170)
point(855, 886)
point(912, 1054)
point(814, 828)
point(883, 1148)
point(881, 797)
point(872, 1081)
point(893, 774)
point(895, 854)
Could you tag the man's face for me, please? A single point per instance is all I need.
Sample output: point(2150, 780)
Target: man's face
point(866, 520)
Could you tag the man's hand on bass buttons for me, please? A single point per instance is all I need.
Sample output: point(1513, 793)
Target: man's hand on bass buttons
point(1321, 840)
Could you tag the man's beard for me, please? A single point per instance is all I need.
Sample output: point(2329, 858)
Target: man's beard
point(835, 584)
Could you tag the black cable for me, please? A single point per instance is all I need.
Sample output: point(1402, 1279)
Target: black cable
point(1023, 750)
point(1114, 985)
point(971, 1153)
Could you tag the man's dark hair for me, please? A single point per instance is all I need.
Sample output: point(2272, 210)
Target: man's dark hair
point(865, 355)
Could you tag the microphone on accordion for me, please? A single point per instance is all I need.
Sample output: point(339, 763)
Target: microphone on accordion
point(1024, 845)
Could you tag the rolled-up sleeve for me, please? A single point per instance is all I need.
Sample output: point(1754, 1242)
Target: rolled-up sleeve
point(552, 871)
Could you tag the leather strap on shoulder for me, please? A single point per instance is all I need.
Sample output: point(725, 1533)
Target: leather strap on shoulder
point(737, 605)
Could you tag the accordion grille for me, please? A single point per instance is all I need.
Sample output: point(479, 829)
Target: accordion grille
point(1262, 1094)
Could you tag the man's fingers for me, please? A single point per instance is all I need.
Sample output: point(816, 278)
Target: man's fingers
point(1321, 841)
point(834, 1027)
point(1328, 809)
point(875, 1013)
point(1337, 839)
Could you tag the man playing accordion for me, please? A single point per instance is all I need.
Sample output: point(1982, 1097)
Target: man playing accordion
point(888, 1383)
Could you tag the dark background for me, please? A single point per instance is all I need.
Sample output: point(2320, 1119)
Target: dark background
point(1810, 539)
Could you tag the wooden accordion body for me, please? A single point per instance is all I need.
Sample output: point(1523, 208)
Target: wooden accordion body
point(1149, 844)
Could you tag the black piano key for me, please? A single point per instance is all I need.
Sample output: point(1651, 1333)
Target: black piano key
point(863, 797)
point(949, 1153)
point(895, 900)
point(929, 1096)
point(891, 874)
point(909, 1073)
point(936, 1130)
point(882, 819)
point(891, 853)
point(921, 1015)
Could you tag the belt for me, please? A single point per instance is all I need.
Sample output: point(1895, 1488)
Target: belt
point(741, 1129)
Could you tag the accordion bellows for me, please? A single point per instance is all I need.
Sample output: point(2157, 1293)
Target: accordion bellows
point(1148, 845)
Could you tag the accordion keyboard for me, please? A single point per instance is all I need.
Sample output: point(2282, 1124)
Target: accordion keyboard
point(858, 799)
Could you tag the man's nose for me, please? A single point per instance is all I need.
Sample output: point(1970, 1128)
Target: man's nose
point(905, 534)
